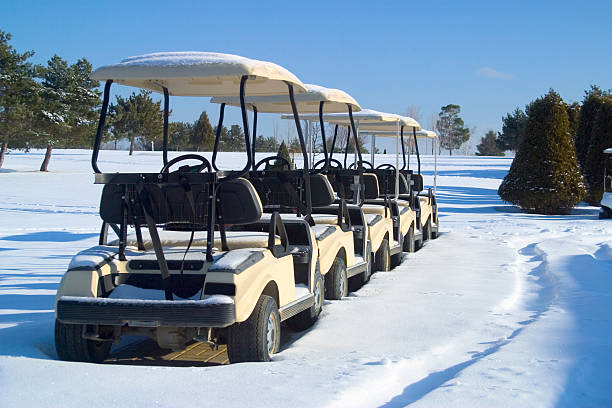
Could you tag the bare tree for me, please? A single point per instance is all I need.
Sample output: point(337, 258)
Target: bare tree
point(414, 111)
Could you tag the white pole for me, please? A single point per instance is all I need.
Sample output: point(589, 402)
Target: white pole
point(373, 148)
point(397, 149)
point(357, 140)
point(152, 146)
point(435, 162)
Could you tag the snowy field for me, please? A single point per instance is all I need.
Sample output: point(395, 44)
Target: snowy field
point(505, 309)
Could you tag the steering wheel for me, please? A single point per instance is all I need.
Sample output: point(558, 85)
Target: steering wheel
point(188, 169)
point(386, 166)
point(353, 165)
point(337, 164)
point(269, 159)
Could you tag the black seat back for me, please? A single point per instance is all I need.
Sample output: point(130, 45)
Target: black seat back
point(170, 204)
point(370, 186)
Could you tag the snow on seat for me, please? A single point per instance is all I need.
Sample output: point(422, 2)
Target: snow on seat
point(326, 219)
point(372, 219)
point(373, 209)
point(323, 231)
point(235, 239)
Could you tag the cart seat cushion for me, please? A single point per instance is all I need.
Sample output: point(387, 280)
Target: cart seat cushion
point(323, 231)
point(374, 209)
point(417, 182)
point(372, 219)
point(325, 219)
point(235, 239)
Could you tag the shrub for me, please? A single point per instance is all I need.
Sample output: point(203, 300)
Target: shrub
point(544, 177)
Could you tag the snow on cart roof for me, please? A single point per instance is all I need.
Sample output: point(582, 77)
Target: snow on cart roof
point(608, 150)
point(192, 73)
point(368, 119)
point(335, 100)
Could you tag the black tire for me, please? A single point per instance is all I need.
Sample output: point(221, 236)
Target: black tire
point(382, 258)
point(308, 317)
point(409, 245)
point(71, 346)
point(397, 259)
point(258, 337)
point(434, 234)
point(427, 230)
point(605, 213)
point(336, 281)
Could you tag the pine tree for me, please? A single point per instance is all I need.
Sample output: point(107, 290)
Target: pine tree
point(595, 162)
point(68, 99)
point(18, 94)
point(513, 129)
point(489, 146)
point(544, 177)
point(573, 115)
point(593, 99)
point(138, 118)
point(180, 136)
point(283, 152)
point(203, 136)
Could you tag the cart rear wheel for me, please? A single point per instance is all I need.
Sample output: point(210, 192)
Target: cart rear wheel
point(71, 346)
point(409, 240)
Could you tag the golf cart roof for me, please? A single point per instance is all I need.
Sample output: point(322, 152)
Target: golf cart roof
point(369, 119)
point(608, 150)
point(335, 100)
point(423, 133)
point(192, 73)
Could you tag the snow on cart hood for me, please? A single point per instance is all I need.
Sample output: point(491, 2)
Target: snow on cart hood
point(194, 73)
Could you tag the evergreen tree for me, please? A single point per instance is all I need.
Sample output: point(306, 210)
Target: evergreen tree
point(68, 99)
point(513, 130)
point(489, 146)
point(266, 144)
point(180, 135)
point(595, 162)
point(593, 99)
point(283, 152)
point(451, 128)
point(203, 136)
point(18, 94)
point(544, 177)
point(573, 115)
point(137, 118)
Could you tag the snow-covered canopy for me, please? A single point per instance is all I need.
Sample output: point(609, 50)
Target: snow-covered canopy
point(423, 133)
point(608, 150)
point(192, 73)
point(335, 100)
point(368, 120)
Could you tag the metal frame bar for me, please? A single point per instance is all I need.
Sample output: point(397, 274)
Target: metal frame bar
point(218, 136)
point(98, 139)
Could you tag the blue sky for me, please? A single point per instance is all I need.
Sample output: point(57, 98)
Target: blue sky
point(488, 57)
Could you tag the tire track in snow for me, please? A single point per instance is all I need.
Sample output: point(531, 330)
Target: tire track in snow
point(533, 292)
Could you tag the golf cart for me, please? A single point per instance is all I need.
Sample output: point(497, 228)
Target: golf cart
point(342, 253)
point(178, 271)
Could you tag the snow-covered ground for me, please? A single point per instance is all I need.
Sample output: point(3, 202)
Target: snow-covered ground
point(504, 309)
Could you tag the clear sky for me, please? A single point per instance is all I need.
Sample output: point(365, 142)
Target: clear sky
point(489, 57)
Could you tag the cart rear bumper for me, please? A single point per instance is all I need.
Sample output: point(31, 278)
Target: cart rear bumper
point(217, 311)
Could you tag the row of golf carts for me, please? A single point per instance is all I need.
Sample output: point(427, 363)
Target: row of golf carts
point(221, 256)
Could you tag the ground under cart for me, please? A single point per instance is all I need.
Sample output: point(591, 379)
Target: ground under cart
point(177, 272)
point(307, 194)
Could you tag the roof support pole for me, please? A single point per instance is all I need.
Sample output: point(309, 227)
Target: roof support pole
point(416, 144)
point(323, 138)
point(254, 135)
point(166, 114)
point(101, 122)
point(296, 118)
point(245, 122)
point(218, 136)
point(435, 144)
